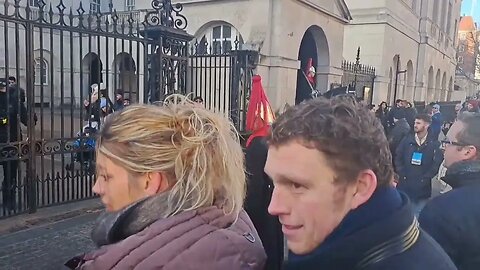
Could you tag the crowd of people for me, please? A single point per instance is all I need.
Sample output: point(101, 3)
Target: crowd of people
point(328, 176)
point(322, 178)
point(340, 186)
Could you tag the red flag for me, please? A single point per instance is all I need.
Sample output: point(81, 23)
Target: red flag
point(310, 72)
point(259, 114)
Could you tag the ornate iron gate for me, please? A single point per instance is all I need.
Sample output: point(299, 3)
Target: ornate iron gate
point(223, 78)
point(58, 55)
point(359, 79)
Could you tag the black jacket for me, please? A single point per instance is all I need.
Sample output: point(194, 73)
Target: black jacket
point(349, 252)
point(453, 218)
point(12, 109)
point(259, 194)
point(411, 113)
point(399, 131)
point(415, 180)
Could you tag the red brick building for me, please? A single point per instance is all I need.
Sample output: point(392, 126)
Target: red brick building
point(468, 42)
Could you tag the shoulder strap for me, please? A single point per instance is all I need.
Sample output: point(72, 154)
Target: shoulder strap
point(389, 248)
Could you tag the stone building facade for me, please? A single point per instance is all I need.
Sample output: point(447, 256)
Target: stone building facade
point(286, 33)
point(419, 35)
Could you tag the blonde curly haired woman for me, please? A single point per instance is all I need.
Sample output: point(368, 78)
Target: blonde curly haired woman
point(172, 180)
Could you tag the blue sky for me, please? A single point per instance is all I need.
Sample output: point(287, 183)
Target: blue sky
point(472, 8)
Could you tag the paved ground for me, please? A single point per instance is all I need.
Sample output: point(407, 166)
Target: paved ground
point(47, 247)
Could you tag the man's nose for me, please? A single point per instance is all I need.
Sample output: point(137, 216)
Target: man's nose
point(278, 203)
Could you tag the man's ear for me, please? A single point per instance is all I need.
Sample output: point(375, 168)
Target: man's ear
point(366, 186)
point(471, 152)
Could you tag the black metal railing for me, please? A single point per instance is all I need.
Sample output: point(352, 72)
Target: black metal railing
point(359, 79)
point(57, 55)
point(221, 73)
point(69, 66)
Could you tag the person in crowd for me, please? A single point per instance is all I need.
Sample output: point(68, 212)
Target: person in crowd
point(399, 105)
point(92, 104)
point(410, 113)
point(126, 102)
point(453, 219)
point(12, 109)
point(473, 106)
point(382, 114)
point(437, 122)
point(259, 185)
point(198, 100)
point(417, 160)
point(336, 201)
point(458, 109)
point(12, 82)
point(399, 131)
point(173, 185)
point(119, 100)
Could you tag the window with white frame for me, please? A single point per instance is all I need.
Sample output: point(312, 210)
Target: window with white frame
point(94, 6)
point(34, 3)
point(219, 39)
point(461, 47)
point(460, 60)
point(130, 5)
point(41, 72)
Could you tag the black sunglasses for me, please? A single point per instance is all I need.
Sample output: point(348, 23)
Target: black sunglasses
point(448, 142)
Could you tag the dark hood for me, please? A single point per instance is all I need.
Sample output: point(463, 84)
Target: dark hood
point(463, 173)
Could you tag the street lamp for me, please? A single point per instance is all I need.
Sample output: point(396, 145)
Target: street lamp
point(397, 72)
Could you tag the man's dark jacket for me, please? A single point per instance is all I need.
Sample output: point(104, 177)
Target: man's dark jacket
point(13, 109)
point(411, 113)
point(453, 218)
point(399, 131)
point(259, 194)
point(355, 250)
point(436, 126)
point(416, 180)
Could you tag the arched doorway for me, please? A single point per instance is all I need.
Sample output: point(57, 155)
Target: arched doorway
point(437, 86)
point(443, 94)
point(390, 86)
point(125, 76)
point(314, 49)
point(215, 40)
point(410, 92)
point(450, 89)
point(398, 89)
point(92, 69)
point(430, 86)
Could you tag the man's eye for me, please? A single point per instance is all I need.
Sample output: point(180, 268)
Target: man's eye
point(296, 186)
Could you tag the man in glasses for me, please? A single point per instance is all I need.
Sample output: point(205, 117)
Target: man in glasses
point(453, 218)
point(417, 160)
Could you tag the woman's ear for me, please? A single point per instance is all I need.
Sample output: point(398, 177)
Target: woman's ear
point(156, 182)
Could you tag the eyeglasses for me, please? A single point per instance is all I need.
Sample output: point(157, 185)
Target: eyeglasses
point(448, 142)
